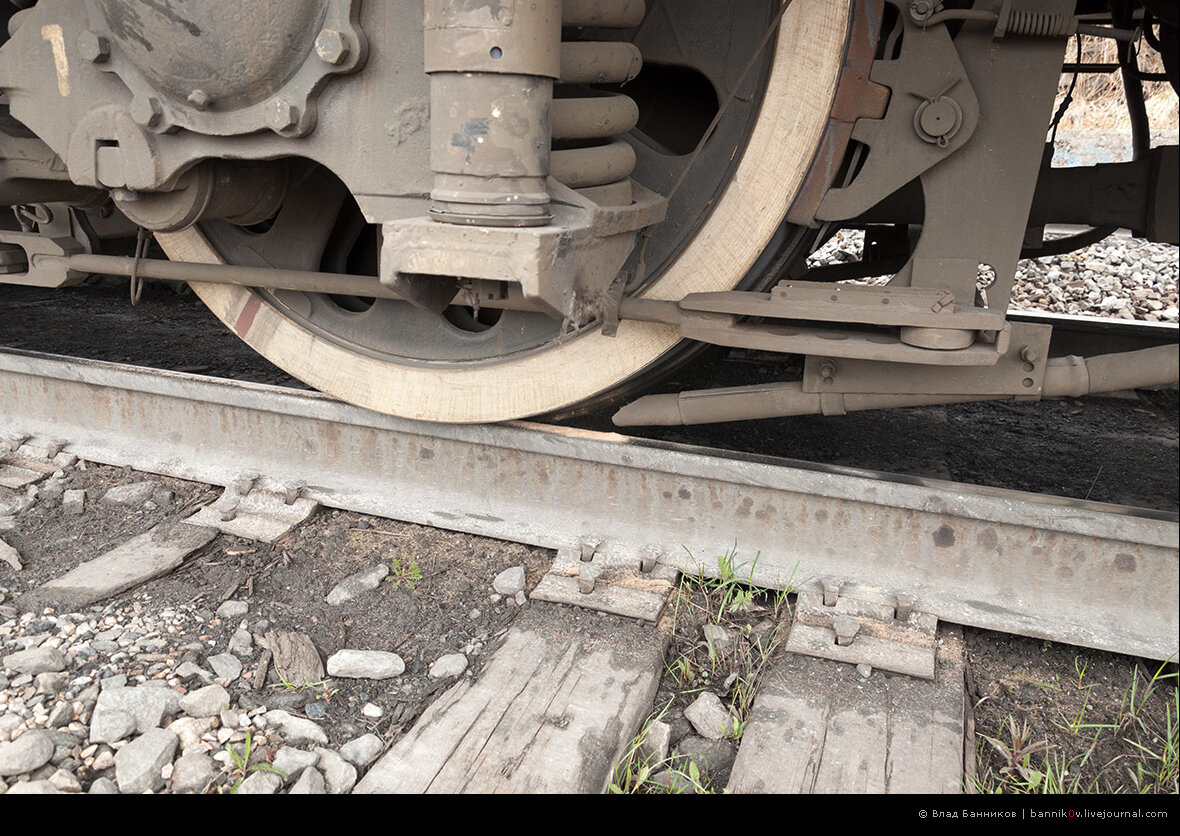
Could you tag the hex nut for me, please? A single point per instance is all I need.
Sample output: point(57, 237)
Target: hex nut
point(94, 48)
point(147, 111)
point(281, 115)
point(331, 46)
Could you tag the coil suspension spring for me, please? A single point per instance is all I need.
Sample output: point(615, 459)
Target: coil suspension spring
point(587, 153)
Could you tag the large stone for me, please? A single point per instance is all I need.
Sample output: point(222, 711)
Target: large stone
point(339, 774)
point(296, 729)
point(510, 581)
point(10, 556)
point(292, 762)
point(712, 757)
point(134, 494)
point(363, 750)
point(709, 717)
point(40, 787)
point(148, 704)
point(30, 751)
point(193, 772)
point(139, 765)
point(446, 667)
point(205, 702)
point(226, 665)
point(110, 725)
point(357, 584)
point(311, 782)
point(365, 664)
point(260, 783)
point(35, 660)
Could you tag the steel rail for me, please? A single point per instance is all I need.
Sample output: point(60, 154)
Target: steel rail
point(1078, 572)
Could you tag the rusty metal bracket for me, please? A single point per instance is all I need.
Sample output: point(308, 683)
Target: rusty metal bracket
point(854, 623)
point(932, 113)
point(857, 97)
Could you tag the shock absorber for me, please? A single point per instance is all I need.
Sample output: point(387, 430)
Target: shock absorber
point(492, 66)
point(586, 151)
point(497, 132)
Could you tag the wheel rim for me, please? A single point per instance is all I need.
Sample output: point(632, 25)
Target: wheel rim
point(534, 378)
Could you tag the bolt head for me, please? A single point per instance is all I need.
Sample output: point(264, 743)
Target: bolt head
point(94, 48)
point(147, 111)
point(281, 115)
point(920, 10)
point(331, 46)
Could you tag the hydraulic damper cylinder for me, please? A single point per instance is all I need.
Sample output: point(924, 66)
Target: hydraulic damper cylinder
point(492, 65)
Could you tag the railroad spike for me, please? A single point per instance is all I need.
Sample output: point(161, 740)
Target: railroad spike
point(245, 482)
point(846, 628)
point(831, 591)
point(904, 608)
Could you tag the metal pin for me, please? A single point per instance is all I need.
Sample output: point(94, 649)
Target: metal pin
point(846, 628)
point(831, 591)
point(905, 606)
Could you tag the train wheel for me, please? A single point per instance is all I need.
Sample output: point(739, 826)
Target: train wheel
point(467, 366)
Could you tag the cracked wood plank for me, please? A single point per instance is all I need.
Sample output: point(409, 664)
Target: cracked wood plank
point(559, 700)
point(818, 727)
point(153, 553)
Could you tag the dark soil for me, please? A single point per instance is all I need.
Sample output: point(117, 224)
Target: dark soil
point(1111, 450)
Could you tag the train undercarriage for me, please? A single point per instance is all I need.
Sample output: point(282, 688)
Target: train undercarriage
point(479, 210)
